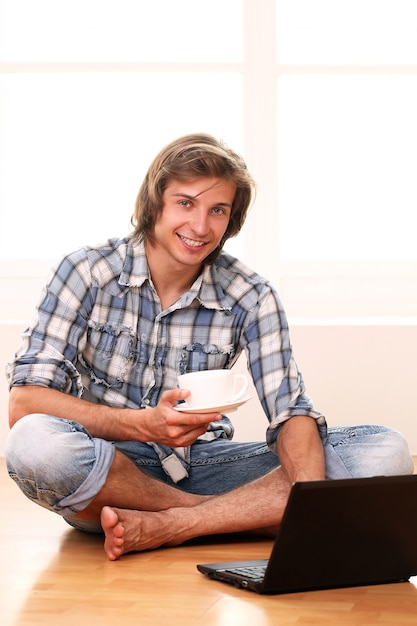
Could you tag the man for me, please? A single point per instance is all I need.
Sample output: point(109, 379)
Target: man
point(95, 436)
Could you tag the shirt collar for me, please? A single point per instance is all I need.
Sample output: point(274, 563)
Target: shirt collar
point(206, 288)
point(135, 270)
point(211, 294)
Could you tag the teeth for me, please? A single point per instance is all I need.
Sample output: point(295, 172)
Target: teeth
point(191, 242)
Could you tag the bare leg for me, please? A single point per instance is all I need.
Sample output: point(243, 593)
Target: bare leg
point(128, 487)
point(257, 505)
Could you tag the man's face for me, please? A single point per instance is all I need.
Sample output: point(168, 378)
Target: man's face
point(194, 217)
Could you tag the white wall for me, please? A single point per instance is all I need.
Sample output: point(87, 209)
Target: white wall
point(354, 373)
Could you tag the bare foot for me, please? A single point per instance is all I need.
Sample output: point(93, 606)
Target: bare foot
point(133, 531)
point(114, 533)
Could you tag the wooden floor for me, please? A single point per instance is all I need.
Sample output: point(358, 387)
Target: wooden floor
point(53, 575)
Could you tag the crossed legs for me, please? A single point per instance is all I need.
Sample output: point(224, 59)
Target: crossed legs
point(139, 512)
point(163, 515)
point(145, 513)
point(95, 485)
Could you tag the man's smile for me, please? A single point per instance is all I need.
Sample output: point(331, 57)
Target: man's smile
point(192, 242)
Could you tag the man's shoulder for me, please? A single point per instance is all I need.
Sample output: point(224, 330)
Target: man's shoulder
point(113, 250)
point(232, 268)
point(240, 284)
point(102, 263)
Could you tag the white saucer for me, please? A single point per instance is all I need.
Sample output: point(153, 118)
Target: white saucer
point(224, 408)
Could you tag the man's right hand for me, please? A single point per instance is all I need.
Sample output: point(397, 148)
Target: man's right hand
point(161, 424)
point(174, 428)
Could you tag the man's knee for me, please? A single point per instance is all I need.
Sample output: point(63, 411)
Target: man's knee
point(48, 458)
point(396, 453)
point(38, 442)
point(366, 451)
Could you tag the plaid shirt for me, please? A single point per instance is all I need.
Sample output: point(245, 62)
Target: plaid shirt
point(99, 332)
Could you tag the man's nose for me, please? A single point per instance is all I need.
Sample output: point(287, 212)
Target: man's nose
point(200, 221)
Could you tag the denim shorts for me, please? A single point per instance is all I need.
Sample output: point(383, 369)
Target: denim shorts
point(60, 466)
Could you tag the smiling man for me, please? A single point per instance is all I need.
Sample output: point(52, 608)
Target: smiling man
point(193, 221)
point(94, 433)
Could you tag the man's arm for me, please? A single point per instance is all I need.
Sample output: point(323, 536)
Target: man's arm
point(300, 449)
point(160, 424)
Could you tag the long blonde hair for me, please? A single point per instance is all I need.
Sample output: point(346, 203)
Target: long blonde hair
point(185, 159)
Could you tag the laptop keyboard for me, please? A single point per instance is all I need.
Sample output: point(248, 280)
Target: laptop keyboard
point(254, 572)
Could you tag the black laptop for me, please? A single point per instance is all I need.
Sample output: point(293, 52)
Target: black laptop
point(336, 533)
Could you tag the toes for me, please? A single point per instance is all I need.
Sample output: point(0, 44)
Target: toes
point(118, 534)
point(109, 517)
point(114, 531)
point(114, 553)
point(113, 546)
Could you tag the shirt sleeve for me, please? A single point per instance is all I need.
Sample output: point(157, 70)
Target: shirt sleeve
point(51, 343)
point(278, 381)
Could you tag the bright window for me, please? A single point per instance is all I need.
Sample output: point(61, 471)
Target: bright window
point(110, 31)
point(347, 129)
point(347, 165)
point(75, 158)
point(347, 32)
point(318, 95)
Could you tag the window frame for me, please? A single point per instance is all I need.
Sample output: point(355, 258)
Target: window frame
point(303, 285)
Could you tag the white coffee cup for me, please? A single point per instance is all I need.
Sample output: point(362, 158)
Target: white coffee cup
point(212, 388)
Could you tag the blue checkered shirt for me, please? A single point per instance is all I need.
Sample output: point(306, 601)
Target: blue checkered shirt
point(99, 332)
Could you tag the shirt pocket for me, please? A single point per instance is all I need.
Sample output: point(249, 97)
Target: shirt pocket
point(198, 356)
point(110, 353)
